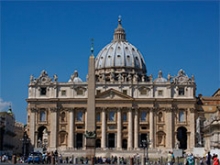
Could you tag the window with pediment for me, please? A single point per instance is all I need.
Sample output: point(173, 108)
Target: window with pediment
point(42, 115)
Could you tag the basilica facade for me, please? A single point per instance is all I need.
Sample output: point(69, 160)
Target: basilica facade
point(119, 101)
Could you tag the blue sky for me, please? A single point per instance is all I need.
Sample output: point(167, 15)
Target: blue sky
point(56, 36)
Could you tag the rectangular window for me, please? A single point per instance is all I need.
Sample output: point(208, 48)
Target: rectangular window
point(43, 91)
point(181, 91)
point(125, 92)
point(79, 92)
point(98, 91)
point(143, 92)
point(98, 118)
point(143, 116)
point(111, 116)
point(63, 93)
point(181, 116)
point(79, 116)
point(42, 116)
point(124, 117)
point(160, 93)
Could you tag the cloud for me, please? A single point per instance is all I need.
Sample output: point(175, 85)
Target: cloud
point(4, 105)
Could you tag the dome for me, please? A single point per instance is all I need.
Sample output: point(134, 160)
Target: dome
point(75, 77)
point(120, 57)
point(160, 78)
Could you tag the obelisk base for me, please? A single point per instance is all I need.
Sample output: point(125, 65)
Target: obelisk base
point(90, 150)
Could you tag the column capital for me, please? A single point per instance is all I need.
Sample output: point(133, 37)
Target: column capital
point(119, 109)
point(70, 109)
point(34, 110)
point(192, 110)
point(170, 109)
point(54, 109)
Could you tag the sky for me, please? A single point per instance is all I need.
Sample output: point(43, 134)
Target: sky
point(56, 36)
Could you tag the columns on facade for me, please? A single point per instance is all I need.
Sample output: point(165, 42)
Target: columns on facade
point(71, 129)
point(32, 126)
point(151, 122)
point(119, 129)
point(103, 140)
point(169, 128)
point(192, 128)
point(136, 129)
point(54, 133)
point(130, 129)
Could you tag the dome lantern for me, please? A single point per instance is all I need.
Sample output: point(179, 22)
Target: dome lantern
point(119, 34)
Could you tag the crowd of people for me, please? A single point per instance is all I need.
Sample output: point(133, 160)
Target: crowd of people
point(190, 159)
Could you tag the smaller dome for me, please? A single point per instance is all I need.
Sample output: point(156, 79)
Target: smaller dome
point(160, 78)
point(75, 78)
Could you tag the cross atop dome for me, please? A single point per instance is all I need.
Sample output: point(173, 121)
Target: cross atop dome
point(119, 19)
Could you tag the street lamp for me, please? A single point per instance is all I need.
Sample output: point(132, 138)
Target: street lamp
point(25, 140)
point(145, 144)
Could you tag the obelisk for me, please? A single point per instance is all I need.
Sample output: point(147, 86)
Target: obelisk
point(90, 133)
